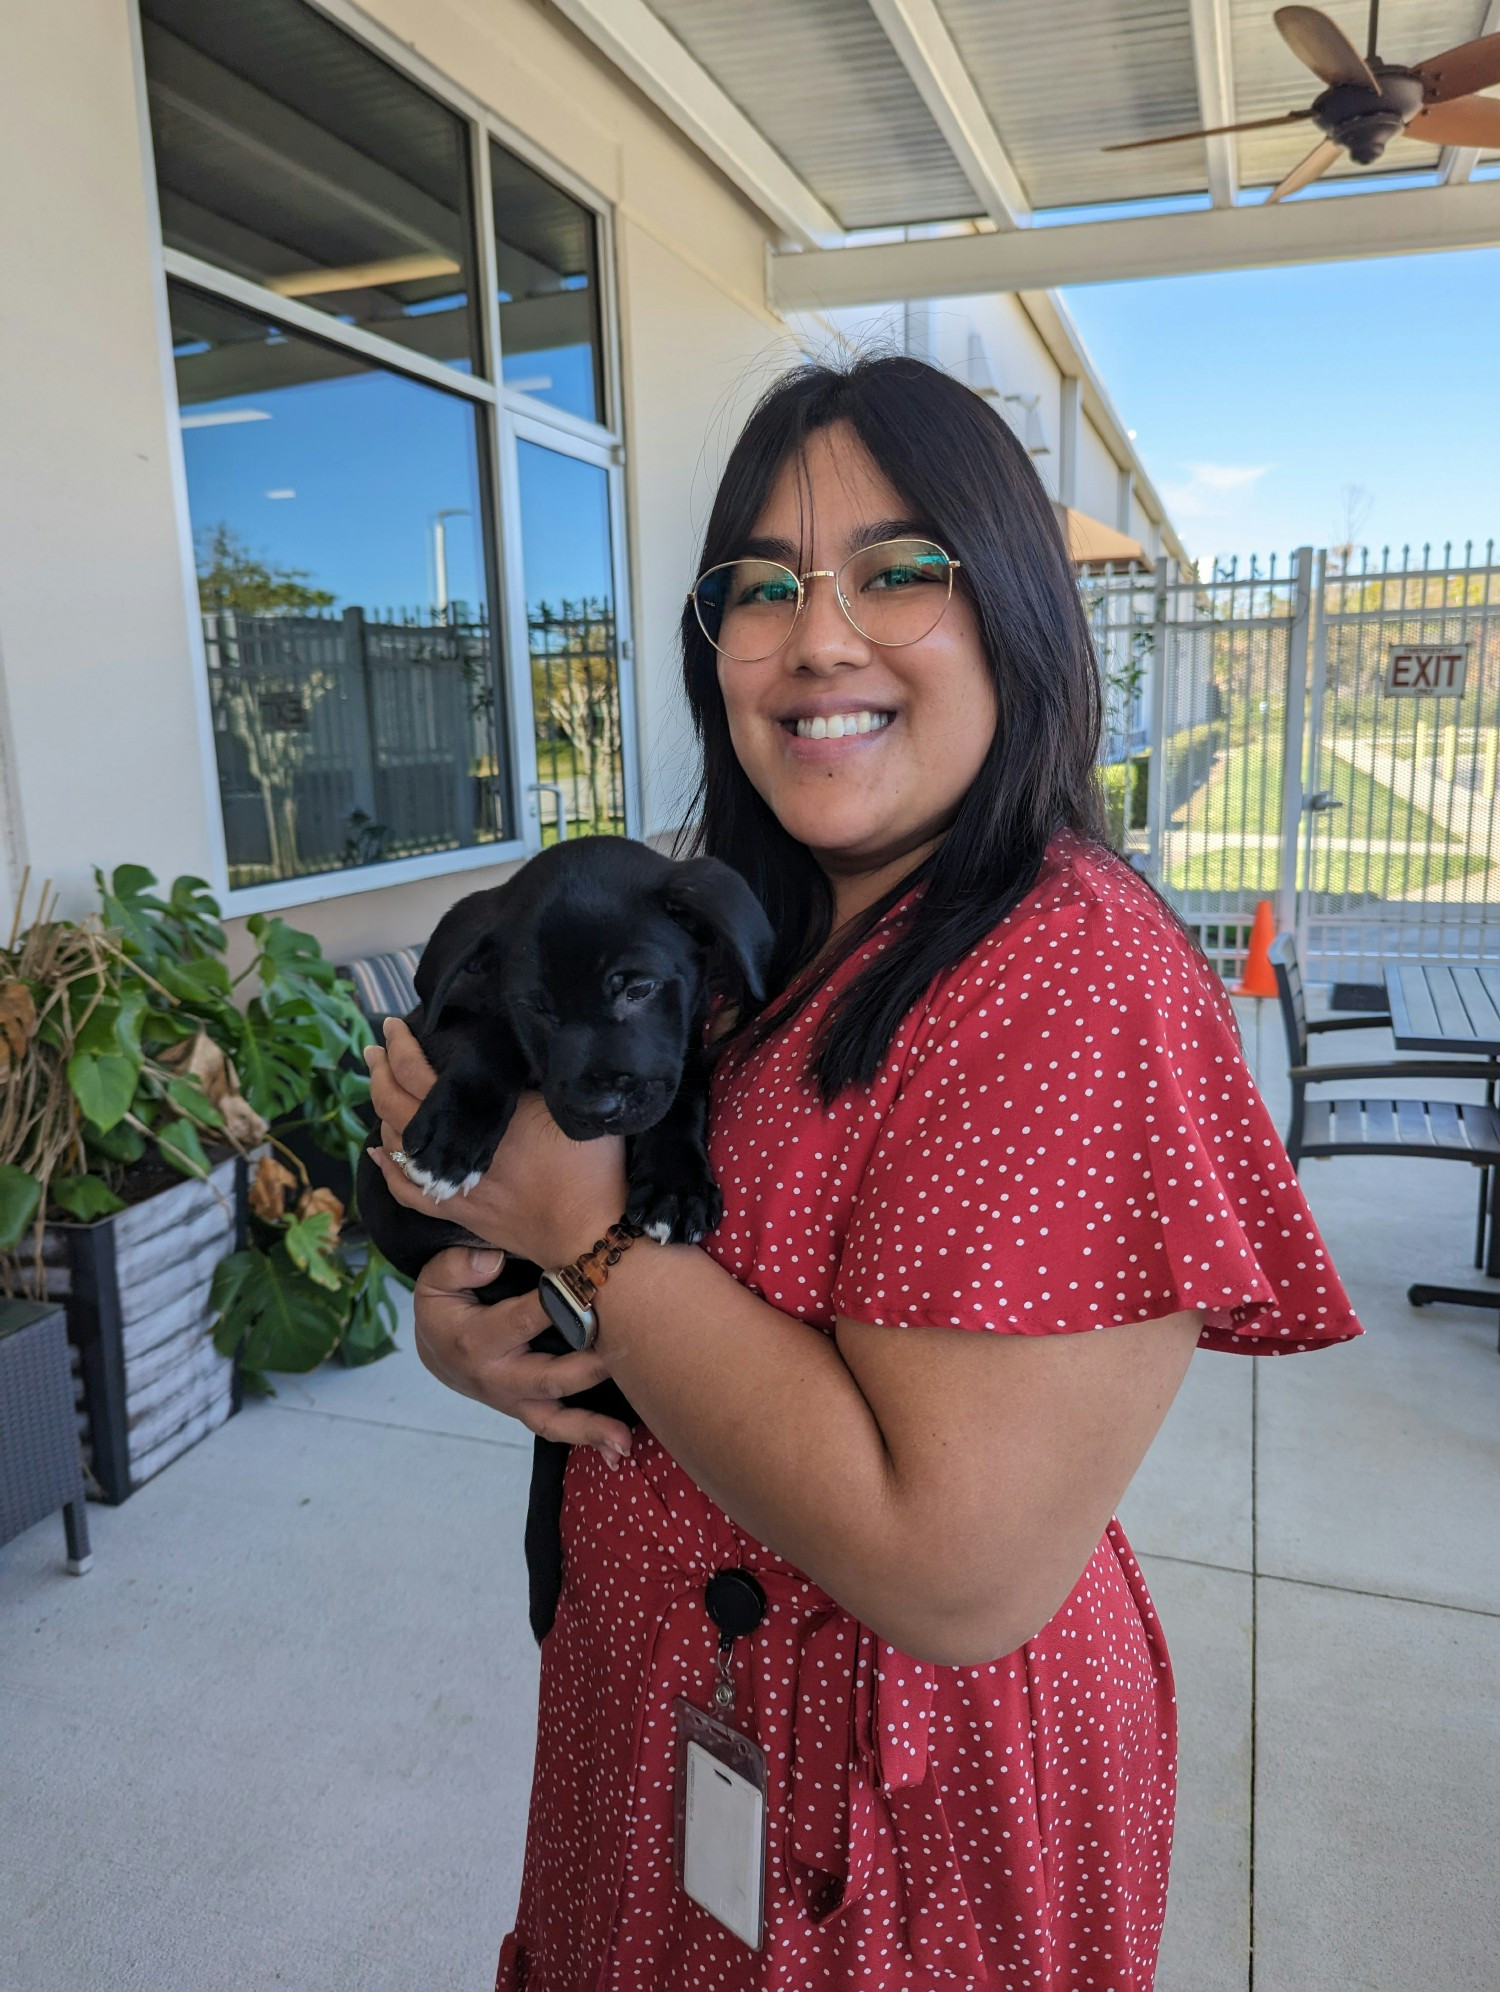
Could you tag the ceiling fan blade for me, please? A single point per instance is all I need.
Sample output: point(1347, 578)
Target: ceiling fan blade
point(1323, 46)
point(1459, 71)
point(1317, 162)
point(1464, 121)
point(1214, 131)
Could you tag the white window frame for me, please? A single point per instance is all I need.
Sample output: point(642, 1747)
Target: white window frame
point(519, 428)
point(510, 415)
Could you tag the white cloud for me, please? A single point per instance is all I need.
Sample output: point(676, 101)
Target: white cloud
point(1209, 490)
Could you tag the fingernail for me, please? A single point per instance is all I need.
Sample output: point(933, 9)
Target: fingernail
point(368, 1054)
point(611, 1460)
point(622, 1447)
point(485, 1265)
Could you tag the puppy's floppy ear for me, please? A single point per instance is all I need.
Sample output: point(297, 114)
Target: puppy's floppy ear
point(464, 934)
point(718, 908)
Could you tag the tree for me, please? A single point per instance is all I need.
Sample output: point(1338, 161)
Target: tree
point(231, 578)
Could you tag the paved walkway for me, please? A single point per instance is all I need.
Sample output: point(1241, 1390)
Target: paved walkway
point(280, 1737)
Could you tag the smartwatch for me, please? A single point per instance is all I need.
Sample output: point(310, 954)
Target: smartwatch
point(567, 1293)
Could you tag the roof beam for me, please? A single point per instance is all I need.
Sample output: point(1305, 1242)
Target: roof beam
point(1213, 64)
point(920, 37)
point(639, 44)
point(1317, 230)
point(1457, 162)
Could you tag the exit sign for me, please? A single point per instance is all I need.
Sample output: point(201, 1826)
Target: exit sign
point(1427, 670)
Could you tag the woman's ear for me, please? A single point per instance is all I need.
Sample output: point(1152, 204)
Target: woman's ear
point(718, 908)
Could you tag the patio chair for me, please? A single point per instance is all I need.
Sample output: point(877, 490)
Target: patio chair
point(1445, 1130)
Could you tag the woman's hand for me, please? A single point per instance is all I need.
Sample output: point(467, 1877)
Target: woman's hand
point(482, 1353)
point(543, 1198)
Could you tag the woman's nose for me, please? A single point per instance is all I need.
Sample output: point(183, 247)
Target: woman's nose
point(824, 637)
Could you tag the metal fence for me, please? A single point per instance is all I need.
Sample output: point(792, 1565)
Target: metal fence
point(575, 696)
point(1281, 765)
point(353, 739)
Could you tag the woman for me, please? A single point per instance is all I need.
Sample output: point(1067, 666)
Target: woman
point(997, 1100)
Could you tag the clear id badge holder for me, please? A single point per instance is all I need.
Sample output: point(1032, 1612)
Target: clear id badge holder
point(721, 1782)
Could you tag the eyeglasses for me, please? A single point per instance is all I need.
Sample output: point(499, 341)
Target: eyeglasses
point(893, 593)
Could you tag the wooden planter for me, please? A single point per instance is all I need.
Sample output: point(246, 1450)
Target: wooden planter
point(148, 1380)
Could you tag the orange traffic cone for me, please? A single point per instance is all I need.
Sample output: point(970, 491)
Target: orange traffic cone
point(1259, 978)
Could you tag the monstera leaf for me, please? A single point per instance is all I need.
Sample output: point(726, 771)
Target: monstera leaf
point(271, 1316)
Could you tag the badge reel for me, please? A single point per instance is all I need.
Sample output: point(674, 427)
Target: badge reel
point(721, 1781)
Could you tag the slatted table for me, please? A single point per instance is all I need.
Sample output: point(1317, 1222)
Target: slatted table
point(1445, 1006)
point(1449, 1006)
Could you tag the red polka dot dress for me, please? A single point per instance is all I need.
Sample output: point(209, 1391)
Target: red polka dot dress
point(1063, 1137)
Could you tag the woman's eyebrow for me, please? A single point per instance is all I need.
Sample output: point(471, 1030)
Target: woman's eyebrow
point(771, 549)
point(884, 529)
point(783, 550)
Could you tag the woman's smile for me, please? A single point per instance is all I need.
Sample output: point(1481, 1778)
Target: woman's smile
point(829, 727)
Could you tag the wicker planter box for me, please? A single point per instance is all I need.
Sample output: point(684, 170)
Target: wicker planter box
point(148, 1381)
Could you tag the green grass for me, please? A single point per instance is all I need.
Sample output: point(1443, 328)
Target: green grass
point(1242, 798)
point(1372, 874)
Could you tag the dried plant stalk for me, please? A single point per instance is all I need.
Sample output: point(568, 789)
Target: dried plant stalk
point(53, 976)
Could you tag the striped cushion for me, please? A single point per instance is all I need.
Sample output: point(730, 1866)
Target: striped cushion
point(384, 984)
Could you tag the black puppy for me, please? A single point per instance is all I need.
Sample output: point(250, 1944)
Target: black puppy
point(587, 977)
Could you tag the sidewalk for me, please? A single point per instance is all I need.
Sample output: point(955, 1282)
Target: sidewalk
point(281, 1735)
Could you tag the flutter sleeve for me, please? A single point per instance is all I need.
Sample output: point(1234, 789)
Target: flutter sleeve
point(1076, 1142)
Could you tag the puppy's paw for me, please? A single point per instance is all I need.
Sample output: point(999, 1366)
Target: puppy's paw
point(676, 1216)
point(444, 1157)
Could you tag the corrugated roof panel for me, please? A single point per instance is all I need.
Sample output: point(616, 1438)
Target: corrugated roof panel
point(1269, 78)
point(825, 87)
point(1062, 81)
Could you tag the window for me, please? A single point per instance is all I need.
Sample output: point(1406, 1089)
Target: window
point(570, 620)
point(340, 545)
point(288, 153)
point(549, 289)
point(347, 293)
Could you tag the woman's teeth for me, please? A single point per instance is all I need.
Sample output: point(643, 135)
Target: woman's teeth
point(840, 724)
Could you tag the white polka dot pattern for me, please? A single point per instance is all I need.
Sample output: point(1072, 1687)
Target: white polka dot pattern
point(1063, 1136)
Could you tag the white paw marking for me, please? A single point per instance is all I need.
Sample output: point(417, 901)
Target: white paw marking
point(661, 1232)
point(440, 1189)
point(474, 1176)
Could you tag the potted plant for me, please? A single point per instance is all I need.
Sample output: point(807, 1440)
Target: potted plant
point(141, 1089)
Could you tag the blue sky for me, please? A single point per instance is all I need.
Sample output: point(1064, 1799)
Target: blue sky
point(1258, 396)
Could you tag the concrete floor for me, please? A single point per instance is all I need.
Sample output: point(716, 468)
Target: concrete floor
point(281, 1734)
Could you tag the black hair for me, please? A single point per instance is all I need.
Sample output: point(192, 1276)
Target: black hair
point(968, 481)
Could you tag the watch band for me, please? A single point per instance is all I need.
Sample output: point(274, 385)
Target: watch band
point(605, 1254)
point(568, 1292)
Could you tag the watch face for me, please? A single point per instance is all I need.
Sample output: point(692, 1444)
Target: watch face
point(575, 1324)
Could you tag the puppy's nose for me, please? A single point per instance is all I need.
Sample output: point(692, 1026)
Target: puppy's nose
point(606, 1105)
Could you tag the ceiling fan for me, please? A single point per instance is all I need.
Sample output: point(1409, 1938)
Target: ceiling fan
point(1369, 102)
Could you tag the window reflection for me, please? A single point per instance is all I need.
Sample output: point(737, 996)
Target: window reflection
point(570, 614)
point(339, 532)
point(547, 263)
point(289, 153)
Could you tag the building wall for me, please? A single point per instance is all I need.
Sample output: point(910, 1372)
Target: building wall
point(100, 691)
point(102, 682)
point(1097, 488)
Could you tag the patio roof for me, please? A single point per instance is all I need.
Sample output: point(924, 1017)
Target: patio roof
point(979, 122)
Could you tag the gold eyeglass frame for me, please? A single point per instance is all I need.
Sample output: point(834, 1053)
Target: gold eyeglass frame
point(827, 574)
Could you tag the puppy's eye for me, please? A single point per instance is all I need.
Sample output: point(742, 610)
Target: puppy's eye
point(639, 988)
